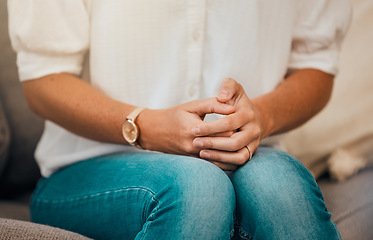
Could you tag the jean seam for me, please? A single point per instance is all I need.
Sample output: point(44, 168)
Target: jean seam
point(38, 200)
point(147, 223)
point(337, 231)
point(90, 196)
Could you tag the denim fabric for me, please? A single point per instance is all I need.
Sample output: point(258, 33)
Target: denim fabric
point(278, 198)
point(162, 196)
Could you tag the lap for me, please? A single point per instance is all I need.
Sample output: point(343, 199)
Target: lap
point(118, 171)
point(133, 190)
point(154, 173)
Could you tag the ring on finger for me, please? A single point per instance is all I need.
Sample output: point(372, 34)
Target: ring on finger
point(251, 154)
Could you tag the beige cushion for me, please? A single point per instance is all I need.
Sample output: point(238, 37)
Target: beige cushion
point(14, 229)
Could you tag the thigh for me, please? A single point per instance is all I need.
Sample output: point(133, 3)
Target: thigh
point(277, 197)
point(127, 194)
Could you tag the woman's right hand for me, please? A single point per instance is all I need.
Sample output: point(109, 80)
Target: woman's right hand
point(170, 130)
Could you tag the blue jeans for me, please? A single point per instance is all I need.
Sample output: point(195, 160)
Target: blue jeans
point(161, 196)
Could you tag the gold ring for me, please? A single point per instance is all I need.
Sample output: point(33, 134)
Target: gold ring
point(251, 155)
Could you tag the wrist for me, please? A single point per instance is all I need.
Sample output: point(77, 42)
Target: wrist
point(149, 128)
point(130, 128)
point(142, 128)
point(266, 118)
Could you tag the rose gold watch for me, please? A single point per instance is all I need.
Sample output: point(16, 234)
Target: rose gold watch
point(130, 130)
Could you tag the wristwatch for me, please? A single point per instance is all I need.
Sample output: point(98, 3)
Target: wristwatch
point(130, 130)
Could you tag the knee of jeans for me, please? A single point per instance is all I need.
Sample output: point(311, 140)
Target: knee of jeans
point(274, 179)
point(277, 196)
point(196, 185)
point(195, 197)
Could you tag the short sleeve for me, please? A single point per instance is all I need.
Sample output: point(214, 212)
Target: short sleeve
point(49, 36)
point(319, 29)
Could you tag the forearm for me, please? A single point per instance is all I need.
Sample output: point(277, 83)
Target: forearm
point(77, 106)
point(80, 108)
point(299, 97)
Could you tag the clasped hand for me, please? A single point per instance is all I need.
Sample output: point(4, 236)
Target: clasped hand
point(224, 142)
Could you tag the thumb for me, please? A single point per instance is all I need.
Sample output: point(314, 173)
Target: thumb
point(228, 89)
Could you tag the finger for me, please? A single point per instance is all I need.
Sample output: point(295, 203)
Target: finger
point(231, 122)
point(222, 134)
point(210, 105)
point(228, 89)
point(234, 143)
point(252, 147)
point(225, 166)
point(239, 157)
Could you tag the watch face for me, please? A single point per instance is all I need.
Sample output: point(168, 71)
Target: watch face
point(129, 131)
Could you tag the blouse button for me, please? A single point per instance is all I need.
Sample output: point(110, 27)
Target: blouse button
point(192, 91)
point(196, 35)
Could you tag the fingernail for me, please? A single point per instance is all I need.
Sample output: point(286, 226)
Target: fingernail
point(196, 130)
point(198, 143)
point(224, 93)
point(205, 154)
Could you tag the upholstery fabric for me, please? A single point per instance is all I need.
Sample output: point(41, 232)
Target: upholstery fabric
point(351, 203)
point(14, 210)
point(14, 229)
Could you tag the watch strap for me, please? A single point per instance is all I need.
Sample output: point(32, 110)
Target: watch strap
point(133, 115)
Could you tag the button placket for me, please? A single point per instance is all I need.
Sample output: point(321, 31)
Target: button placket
point(193, 91)
point(196, 35)
point(196, 24)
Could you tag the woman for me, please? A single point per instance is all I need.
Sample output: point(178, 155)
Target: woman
point(178, 92)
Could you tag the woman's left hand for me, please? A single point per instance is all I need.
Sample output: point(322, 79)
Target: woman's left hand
point(245, 123)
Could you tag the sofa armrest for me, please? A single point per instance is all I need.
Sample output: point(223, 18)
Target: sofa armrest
point(14, 229)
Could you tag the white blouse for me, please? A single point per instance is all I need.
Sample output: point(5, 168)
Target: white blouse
point(160, 53)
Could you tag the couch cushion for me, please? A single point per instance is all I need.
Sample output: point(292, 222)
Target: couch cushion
point(351, 203)
point(4, 139)
point(14, 229)
point(14, 210)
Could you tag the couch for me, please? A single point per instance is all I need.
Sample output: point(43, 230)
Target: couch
point(351, 201)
